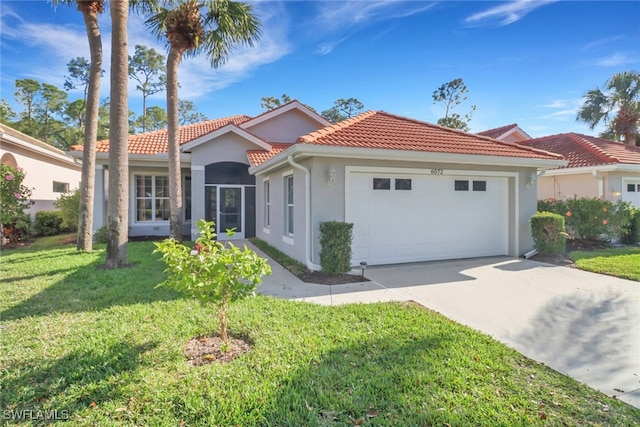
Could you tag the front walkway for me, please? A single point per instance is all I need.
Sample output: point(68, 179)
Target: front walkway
point(581, 324)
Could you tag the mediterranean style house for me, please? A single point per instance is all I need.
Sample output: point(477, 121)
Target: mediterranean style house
point(413, 190)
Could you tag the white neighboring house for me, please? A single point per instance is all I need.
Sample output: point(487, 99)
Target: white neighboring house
point(50, 172)
point(413, 190)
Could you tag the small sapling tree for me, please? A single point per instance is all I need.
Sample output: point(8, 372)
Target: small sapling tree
point(212, 272)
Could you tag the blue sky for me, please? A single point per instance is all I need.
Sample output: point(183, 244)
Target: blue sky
point(523, 61)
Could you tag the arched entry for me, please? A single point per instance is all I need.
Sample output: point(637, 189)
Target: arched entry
point(8, 159)
point(230, 199)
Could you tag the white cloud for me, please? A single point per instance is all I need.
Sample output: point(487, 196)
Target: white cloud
point(507, 13)
point(616, 60)
point(601, 42)
point(556, 103)
point(333, 15)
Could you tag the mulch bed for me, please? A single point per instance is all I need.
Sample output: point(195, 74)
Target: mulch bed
point(203, 350)
point(327, 279)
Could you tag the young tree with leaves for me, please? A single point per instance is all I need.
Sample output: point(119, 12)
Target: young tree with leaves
point(188, 113)
point(452, 94)
point(214, 27)
point(147, 67)
point(268, 103)
point(618, 106)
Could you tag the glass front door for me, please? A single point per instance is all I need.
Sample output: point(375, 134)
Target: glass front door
point(223, 205)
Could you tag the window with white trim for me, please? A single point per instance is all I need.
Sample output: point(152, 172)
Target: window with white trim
point(152, 198)
point(288, 197)
point(267, 203)
point(60, 187)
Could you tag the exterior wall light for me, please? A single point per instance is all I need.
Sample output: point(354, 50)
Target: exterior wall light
point(616, 193)
point(331, 178)
point(532, 179)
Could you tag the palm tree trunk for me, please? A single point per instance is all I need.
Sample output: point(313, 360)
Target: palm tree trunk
point(85, 217)
point(117, 211)
point(175, 189)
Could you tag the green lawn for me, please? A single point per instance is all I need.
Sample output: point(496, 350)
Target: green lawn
point(621, 262)
point(106, 348)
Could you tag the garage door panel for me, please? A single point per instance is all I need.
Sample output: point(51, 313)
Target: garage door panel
point(429, 222)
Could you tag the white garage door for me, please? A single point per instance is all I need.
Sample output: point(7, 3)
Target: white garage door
point(415, 217)
point(631, 192)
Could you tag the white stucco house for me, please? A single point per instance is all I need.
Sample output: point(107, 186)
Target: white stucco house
point(50, 172)
point(413, 190)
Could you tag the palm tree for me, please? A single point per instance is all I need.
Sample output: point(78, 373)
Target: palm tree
point(210, 26)
point(90, 10)
point(618, 106)
point(117, 209)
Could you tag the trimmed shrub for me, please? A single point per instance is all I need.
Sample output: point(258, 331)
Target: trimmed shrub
point(69, 205)
point(101, 234)
point(548, 233)
point(630, 232)
point(48, 223)
point(335, 243)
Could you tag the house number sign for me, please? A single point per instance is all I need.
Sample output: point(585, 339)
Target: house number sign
point(437, 171)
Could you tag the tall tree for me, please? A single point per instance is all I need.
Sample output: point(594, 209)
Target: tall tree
point(618, 106)
point(7, 115)
point(188, 113)
point(452, 94)
point(53, 102)
point(268, 103)
point(27, 91)
point(210, 26)
point(117, 207)
point(78, 78)
point(155, 119)
point(90, 10)
point(148, 69)
point(343, 109)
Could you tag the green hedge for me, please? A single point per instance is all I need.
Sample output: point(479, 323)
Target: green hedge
point(548, 233)
point(69, 205)
point(48, 223)
point(592, 218)
point(335, 241)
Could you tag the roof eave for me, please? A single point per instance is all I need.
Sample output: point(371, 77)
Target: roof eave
point(614, 167)
point(308, 150)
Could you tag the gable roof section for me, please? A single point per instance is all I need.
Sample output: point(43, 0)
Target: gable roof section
point(291, 105)
point(156, 142)
point(496, 132)
point(584, 151)
point(32, 144)
point(228, 128)
point(377, 129)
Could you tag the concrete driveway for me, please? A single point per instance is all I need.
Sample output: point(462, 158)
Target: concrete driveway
point(581, 324)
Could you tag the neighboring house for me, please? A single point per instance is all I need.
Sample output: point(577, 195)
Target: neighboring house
point(50, 172)
point(597, 168)
point(509, 133)
point(414, 191)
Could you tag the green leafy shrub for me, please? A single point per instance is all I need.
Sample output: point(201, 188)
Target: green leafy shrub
point(101, 234)
point(15, 199)
point(48, 223)
point(69, 205)
point(630, 232)
point(548, 230)
point(591, 218)
point(212, 272)
point(335, 243)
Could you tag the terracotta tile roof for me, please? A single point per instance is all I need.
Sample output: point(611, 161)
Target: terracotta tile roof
point(157, 141)
point(376, 129)
point(583, 150)
point(257, 157)
point(496, 132)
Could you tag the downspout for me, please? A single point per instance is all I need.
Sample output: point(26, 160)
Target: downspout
point(307, 201)
point(600, 184)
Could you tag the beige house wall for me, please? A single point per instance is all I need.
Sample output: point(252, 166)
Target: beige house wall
point(286, 127)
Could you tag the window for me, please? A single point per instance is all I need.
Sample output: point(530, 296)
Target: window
point(152, 198)
point(461, 185)
point(381, 183)
point(479, 185)
point(403, 184)
point(267, 204)
point(187, 198)
point(288, 185)
point(60, 187)
point(631, 188)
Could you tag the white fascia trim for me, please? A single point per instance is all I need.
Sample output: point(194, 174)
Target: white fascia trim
point(295, 105)
point(149, 159)
point(591, 169)
point(53, 152)
point(512, 131)
point(403, 155)
point(230, 128)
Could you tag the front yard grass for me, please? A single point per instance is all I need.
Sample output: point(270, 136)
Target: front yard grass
point(619, 262)
point(106, 348)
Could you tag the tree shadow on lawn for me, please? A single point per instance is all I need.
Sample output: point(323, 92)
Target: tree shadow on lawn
point(74, 381)
point(90, 288)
